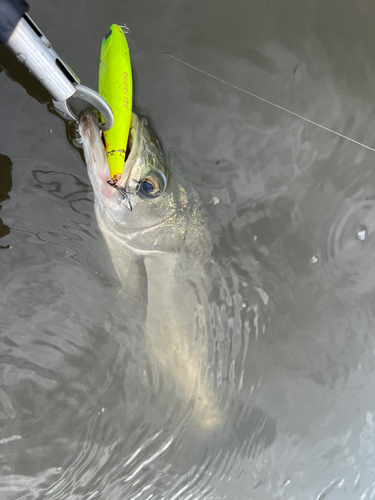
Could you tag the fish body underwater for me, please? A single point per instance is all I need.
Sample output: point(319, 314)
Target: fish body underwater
point(158, 240)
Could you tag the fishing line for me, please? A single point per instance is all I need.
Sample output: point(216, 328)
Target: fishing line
point(269, 102)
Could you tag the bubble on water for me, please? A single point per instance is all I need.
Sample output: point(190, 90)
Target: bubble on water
point(314, 259)
point(58, 469)
point(243, 304)
point(255, 237)
point(361, 233)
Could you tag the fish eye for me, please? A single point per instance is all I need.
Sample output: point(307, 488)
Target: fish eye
point(152, 185)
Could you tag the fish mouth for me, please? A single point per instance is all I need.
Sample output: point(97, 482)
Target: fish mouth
point(144, 153)
point(116, 190)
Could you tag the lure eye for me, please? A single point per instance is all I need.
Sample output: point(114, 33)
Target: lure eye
point(152, 185)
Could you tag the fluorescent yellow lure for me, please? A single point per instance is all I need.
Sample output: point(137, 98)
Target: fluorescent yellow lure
point(116, 87)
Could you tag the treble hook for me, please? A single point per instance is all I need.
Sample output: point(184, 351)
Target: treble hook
point(124, 193)
point(125, 28)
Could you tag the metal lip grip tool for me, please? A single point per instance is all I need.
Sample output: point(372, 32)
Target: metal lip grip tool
point(22, 36)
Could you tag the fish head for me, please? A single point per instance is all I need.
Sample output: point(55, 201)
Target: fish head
point(147, 208)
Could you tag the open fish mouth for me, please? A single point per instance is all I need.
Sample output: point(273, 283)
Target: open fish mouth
point(96, 160)
point(145, 173)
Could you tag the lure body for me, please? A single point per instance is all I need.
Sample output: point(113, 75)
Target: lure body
point(116, 87)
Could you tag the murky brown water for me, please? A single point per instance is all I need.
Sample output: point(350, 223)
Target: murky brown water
point(291, 279)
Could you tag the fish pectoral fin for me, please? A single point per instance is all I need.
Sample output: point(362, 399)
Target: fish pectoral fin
point(135, 287)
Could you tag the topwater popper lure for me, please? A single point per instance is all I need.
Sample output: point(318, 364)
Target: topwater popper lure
point(116, 87)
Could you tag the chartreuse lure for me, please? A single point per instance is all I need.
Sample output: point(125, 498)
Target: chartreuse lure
point(116, 87)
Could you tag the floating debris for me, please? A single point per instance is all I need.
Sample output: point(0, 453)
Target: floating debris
point(314, 259)
point(361, 234)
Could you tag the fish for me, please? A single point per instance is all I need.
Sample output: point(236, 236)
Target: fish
point(158, 240)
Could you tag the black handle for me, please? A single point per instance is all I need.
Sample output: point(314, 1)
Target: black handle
point(11, 12)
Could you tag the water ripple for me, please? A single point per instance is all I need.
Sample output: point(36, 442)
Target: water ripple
point(350, 219)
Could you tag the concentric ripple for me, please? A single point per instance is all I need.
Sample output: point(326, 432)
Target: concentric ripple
point(353, 220)
point(348, 227)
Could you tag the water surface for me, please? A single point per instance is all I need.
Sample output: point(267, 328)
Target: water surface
point(290, 282)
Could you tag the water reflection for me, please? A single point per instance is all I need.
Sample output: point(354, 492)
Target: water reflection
point(84, 410)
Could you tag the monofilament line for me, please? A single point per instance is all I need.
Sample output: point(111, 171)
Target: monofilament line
point(268, 102)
